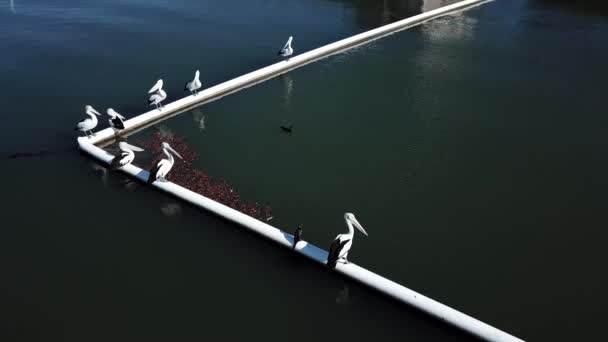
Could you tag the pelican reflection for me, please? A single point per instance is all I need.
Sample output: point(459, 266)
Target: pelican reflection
point(199, 118)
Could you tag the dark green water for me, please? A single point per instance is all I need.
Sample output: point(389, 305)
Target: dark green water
point(472, 149)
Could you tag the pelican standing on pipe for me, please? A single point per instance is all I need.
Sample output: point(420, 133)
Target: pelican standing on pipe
point(116, 120)
point(126, 156)
point(338, 251)
point(287, 50)
point(163, 166)
point(195, 84)
point(89, 123)
point(158, 95)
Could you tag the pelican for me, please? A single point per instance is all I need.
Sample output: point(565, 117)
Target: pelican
point(158, 95)
point(287, 50)
point(163, 166)
point(116, 120)
point(338, 251)
point(89, 123)
point(126, 155)
point(297, 236)
point(194, 85)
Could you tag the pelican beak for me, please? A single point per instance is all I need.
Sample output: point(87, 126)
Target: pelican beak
point(358, 225)
point(134, 148)
point(174, 152)
point(95, 112)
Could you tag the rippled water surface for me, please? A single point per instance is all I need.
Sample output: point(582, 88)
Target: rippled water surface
point(471, 148)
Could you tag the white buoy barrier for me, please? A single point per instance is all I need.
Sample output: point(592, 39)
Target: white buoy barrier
point(263, 74)
point(399, 292)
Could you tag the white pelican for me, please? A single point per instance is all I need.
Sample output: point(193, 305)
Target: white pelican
point(338, 251)
point(297, 236)
point(163, 166)
point(89, 123)
point(287, 50)
point(158, 96)
point(116, 120)
point(194, 85)
point(126, 155)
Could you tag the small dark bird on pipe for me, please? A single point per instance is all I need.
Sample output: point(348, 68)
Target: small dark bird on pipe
point(287, 129)
point(297, 236)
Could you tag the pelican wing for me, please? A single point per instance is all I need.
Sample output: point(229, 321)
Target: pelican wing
point(334, 252)
point(154, 171)
point(82, 125)
point(119, 161)
point(155, 98)
point(188, 86)
point(116, 122)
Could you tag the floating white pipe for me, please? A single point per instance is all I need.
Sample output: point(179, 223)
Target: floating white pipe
point(401, 293)
point(276, 69)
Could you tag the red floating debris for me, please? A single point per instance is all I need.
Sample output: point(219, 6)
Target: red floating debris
point(184, 174)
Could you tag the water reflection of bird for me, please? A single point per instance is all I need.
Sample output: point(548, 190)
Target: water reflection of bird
point(288, 86)
point(171, 209)
point(101, 170)
point(338, 251)
point(343, 296)
point(165, 132)
point(12, 3)
point(199, 117)
point(130, 185)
